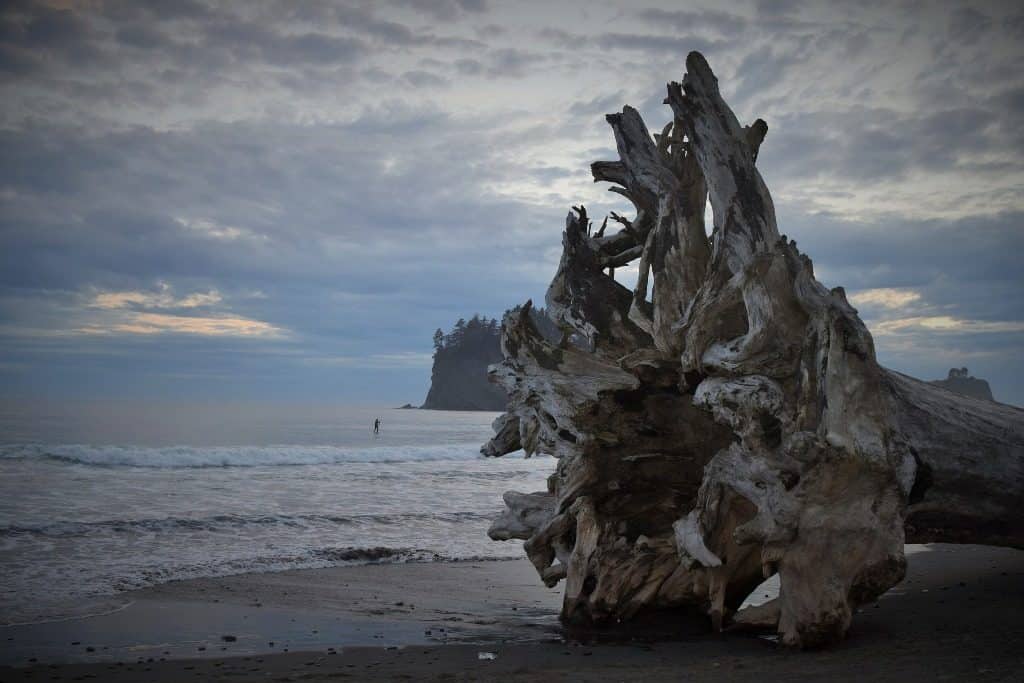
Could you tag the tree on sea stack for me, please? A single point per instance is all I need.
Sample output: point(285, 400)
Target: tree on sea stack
point(727, 420)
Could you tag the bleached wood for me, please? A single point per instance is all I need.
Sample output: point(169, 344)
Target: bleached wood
point(737, 425)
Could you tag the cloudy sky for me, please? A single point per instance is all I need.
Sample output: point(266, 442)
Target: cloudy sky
point(283, 200)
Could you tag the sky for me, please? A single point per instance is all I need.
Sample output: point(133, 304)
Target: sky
point(282, 201)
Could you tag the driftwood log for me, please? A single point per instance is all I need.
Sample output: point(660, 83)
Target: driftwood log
point(727, 420)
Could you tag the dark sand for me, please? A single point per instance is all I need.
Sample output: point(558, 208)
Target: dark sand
point(957, 617)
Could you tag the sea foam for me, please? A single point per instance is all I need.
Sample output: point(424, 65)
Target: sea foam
point(236, 456)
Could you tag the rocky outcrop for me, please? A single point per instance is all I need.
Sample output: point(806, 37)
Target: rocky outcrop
point(458, 379)
point(727, 420)
point(960, 381)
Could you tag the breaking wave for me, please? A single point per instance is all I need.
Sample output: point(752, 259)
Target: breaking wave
point(315, 558)
point(236, 456)
point(226, 523)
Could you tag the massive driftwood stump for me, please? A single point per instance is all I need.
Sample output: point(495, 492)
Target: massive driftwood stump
point(727, 420)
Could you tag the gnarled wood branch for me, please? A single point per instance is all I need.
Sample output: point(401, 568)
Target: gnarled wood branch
point(737, 425)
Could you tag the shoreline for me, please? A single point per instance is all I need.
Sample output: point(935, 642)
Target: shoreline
point(959, 613)
point(388, 604)
point(106, 604)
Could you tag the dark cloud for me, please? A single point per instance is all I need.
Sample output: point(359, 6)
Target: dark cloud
point(424, 79)
point(254, 42)
point(548, 174)
point(644, 42)
point(469, 67)
point(192, 10)
point(445, 10)
point(724, 23)
point(33, 37)
point(874, 145)
point(511, 61)
point(214, 44)
point(897, 252)
point(141, 35)
point(765, 67)
point(602, 104)
point(775, 8)
point(968, 25)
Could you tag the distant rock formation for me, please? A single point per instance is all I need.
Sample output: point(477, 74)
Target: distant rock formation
point(458, 380)
point(961, 382)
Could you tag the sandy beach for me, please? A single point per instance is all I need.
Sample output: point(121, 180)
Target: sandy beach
point(957, 616)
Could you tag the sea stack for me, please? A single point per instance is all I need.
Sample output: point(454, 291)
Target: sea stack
point(458, 379)
point(960, 381)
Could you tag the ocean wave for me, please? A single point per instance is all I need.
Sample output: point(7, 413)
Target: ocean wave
point(97, 594)
point(313, 558)
point(220, 523)
point(235, 456)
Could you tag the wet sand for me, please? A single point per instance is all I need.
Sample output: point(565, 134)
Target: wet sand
point(957, 616)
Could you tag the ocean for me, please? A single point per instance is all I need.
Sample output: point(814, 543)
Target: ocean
point(97, 499)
